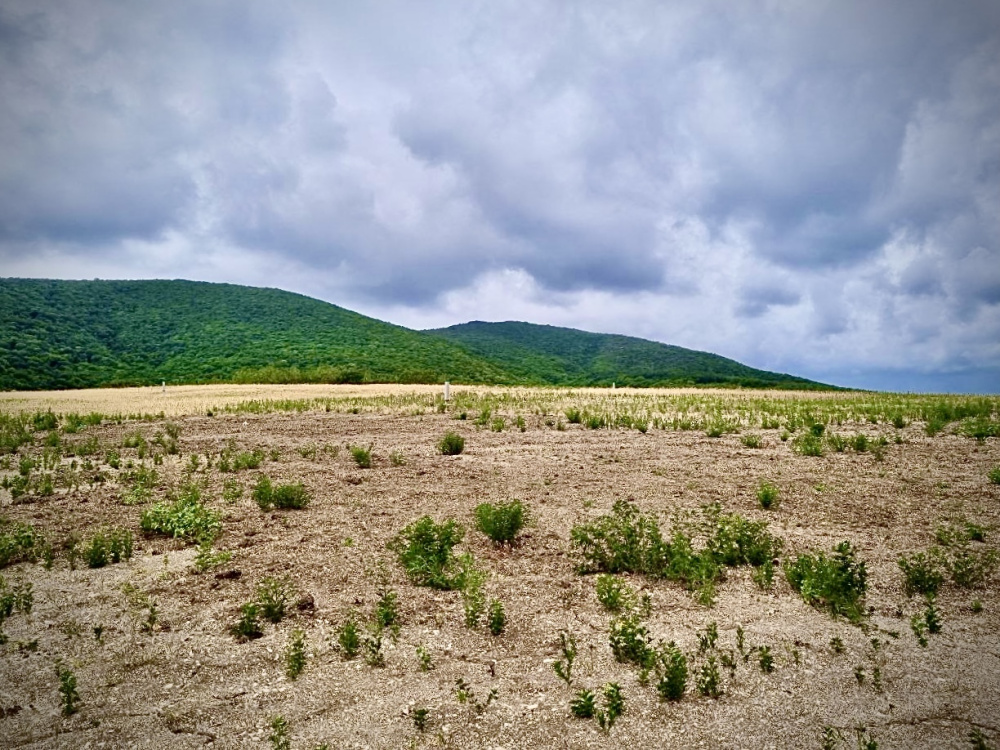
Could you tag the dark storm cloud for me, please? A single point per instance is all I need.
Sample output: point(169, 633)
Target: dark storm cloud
point(829, 170)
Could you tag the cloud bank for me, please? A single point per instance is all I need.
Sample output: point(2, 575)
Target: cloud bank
point(812, 188)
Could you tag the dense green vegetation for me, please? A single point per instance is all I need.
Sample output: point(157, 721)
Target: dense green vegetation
point(78, 334)
point(566, 356)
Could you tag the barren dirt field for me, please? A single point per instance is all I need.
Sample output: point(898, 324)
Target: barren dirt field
point(148, 640)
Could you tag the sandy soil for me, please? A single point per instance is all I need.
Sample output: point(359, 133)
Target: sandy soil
point(189, 683)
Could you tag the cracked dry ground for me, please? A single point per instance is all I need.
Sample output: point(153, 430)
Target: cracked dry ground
point(189, 683)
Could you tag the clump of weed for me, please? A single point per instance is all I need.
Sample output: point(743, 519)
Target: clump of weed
point(234, 460)
point(808, 444)
point(765, 659)
point(362, 456)
point(273, 595)
point(709, 679)
point(208, 558)
point(751, 440)
point(767, 495)
point(108, 546)
point(496, 618)
point(268, 496)
point(295, 654)
point(424, 549)
point(672, 672)
point(349, 638)
point(279, 734)
point(396, 458)
point(451, 444)
point(67, 690)
point(614, 706)
point(466, 695)
point(19, 542)
point(921, 574)
point(584, 704)
point(186, 518)
point(424, 658)
point(142, 480)
point(13, 598)
point(564, 665)
point(421, 717)
point(614, 594)
point(994, 475)
point(837, 584)
point(978, 739)
point(501, 522)
point(248, 628)
point(630, 641)
point(738, 541)
point(473, 598)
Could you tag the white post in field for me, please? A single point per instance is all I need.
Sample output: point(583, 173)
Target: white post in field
point(447, 391)
point(612, 386)
point(163, 388)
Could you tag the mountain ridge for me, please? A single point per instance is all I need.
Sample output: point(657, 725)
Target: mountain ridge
point(57, 334)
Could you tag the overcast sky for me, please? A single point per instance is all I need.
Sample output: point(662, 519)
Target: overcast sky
point(810, 187)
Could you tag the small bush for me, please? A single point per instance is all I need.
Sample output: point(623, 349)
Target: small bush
point(19, 542)
point(424, 549)
point(279, 734)
point(767, 495)
point(207, 558)
point(267, 496)
point(108, 546)
point(186, 518)
point(738, 541)
point(574, 416)
point(837, 584)
point(272, 597)
point(362, 456)
point(614, 706)
point(994, 475)
point(584, 704)
point(614, 594)
point(808, 444)
point(349, 638)
point(295, 654)
point(247, 628)
point(751, 440)
point(672, 672)
point(473, 598)
point(709, 679)
point(67, 690)
point(496, 618)
point(15, 598)
point(564, 666)
point(921, 574)
point(501, 522)
point(451, 444)
point(630, 641)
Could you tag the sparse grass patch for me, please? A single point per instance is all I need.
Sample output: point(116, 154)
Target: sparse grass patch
point(273, 595)
point(994, 475)
point(767, 495)
point(67, 690)
point(295, 654)
point(501, 522)
point(808, 444)
point(108, 546)
point(751, 440)
point(267, 496)
point(349, 638)
point(614, 594)
point(19, 542)
point(362, 456)
point(921, 574)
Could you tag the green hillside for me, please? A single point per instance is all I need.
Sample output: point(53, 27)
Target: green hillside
point(565, 356)
point(78, 334)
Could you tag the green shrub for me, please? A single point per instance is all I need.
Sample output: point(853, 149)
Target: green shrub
point(621, 542)
point(473, 598)
point(272, 598)
point(564, 665)
point(765, 659)
point(584, 704)
point(837, 584)
point(19, 542)
point(709, 679)
point(13, 598)
point(630, 641)
point(233, 460)
point(349, 638)
point(614, 706)
point(451, 444)
point(186, 518)
point(267, 496)
point(737, 541)
point(362, 456)
point(248, 626)
point(751, 440)
point(574, 416)
point(971, 567)
point(808, 444)
point(424, 549)
point(496, 618)
point(67, 690)
point(295, 654)
point(921, 574)
point(672, 672)
point(207, 558)
point(501, 522)
point(767, 495)
point(994, 475)
point(614, 594)
point(108, 546)
point(279, 734)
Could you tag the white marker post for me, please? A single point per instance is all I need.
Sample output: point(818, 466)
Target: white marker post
point(163, 387)
point(447, 391)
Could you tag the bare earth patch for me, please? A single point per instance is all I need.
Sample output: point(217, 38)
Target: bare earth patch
point(185, 681)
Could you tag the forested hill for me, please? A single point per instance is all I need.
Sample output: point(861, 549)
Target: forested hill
point(77, 334)
point(566, 356)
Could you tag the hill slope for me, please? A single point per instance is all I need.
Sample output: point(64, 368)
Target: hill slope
point(77, 334)
point(566, 356)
